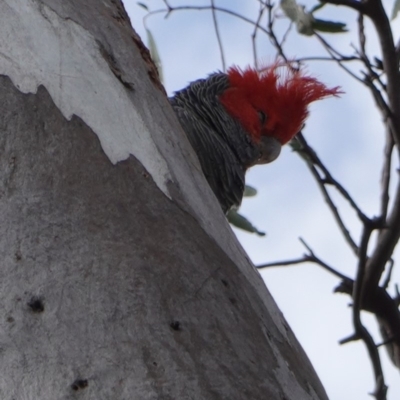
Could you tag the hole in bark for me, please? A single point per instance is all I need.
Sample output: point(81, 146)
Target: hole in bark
point(80, 384)
point(232, 300)
point(175, 325)
point(36, 304)
point(224, 282)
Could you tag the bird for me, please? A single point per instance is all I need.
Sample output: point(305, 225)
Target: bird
point(242, 118)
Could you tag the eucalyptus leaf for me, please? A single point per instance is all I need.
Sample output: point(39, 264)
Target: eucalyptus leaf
point(299, 16)
point(249, 191)
point(154, 54)
point(305, 21)
point(143, 6)
point(329, 26)
point(396, 9)
point(291, 9)
point(242, 222)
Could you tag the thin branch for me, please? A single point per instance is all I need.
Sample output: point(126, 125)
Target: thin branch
point(385, 178)
point(385, 309)
point(323, 264)
point(387, 241)
point(310, 257)
point(337, 57)
point(329, 59)
point(271, 33)
point(379, 100)
point(284, 263)
point(363, 54)
point(370, 77)
point(354, 4)
point(378, 15)
point(360, 331)
point(329, 179)
point(171, 9)
point(217, 33)
point(389, 237)
point(312, 160)
point(385, 283)
point(286, 34)
point(255, 31)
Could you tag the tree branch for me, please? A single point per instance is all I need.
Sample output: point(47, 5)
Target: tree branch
point(360, 331)
point(355, 5)
point(310, 257)
point(313, 160)
point(217, 33)
point(261, 11)
point(386, 170)
point(377, 14)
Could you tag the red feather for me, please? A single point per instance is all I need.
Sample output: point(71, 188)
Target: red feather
point(282, 98)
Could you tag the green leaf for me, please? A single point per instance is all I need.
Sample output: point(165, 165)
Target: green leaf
point(305, 22)
point(291, 9)
point(249, 191)
point(242, 222)
point(396, 9)
point(328, 26)
point(143, 6)
point(154, 54)
point(299, 16)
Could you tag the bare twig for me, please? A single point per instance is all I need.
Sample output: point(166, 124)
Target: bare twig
point(373, 76)
point(171, 9)
point(337, 57)
point(329, 59)
point(217, 33)
point(310, 257)
point(385, 179)
point(379, 100)
point(255, 31)
point(356, 5)
point(385, 245)
point(270, 32)
point(312, 161)
point(328, 179)
point(385, 283)
point(381, 22)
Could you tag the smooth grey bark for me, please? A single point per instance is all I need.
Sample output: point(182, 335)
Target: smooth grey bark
point(112, 287)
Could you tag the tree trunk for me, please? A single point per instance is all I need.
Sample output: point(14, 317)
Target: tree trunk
point(120, 277)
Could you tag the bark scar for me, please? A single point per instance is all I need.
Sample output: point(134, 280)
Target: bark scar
point(114, 67)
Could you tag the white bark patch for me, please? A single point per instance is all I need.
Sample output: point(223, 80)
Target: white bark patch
point(37, 47)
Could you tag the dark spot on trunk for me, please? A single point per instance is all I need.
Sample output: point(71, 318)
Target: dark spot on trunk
point(36, 304)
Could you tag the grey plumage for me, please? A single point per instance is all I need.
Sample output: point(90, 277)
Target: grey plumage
point(225, 150)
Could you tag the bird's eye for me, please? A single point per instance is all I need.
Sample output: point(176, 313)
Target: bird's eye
point(262, 116)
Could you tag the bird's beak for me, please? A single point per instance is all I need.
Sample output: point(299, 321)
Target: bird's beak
point(270, 148)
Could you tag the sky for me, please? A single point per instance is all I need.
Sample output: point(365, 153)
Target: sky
point(347, 134)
